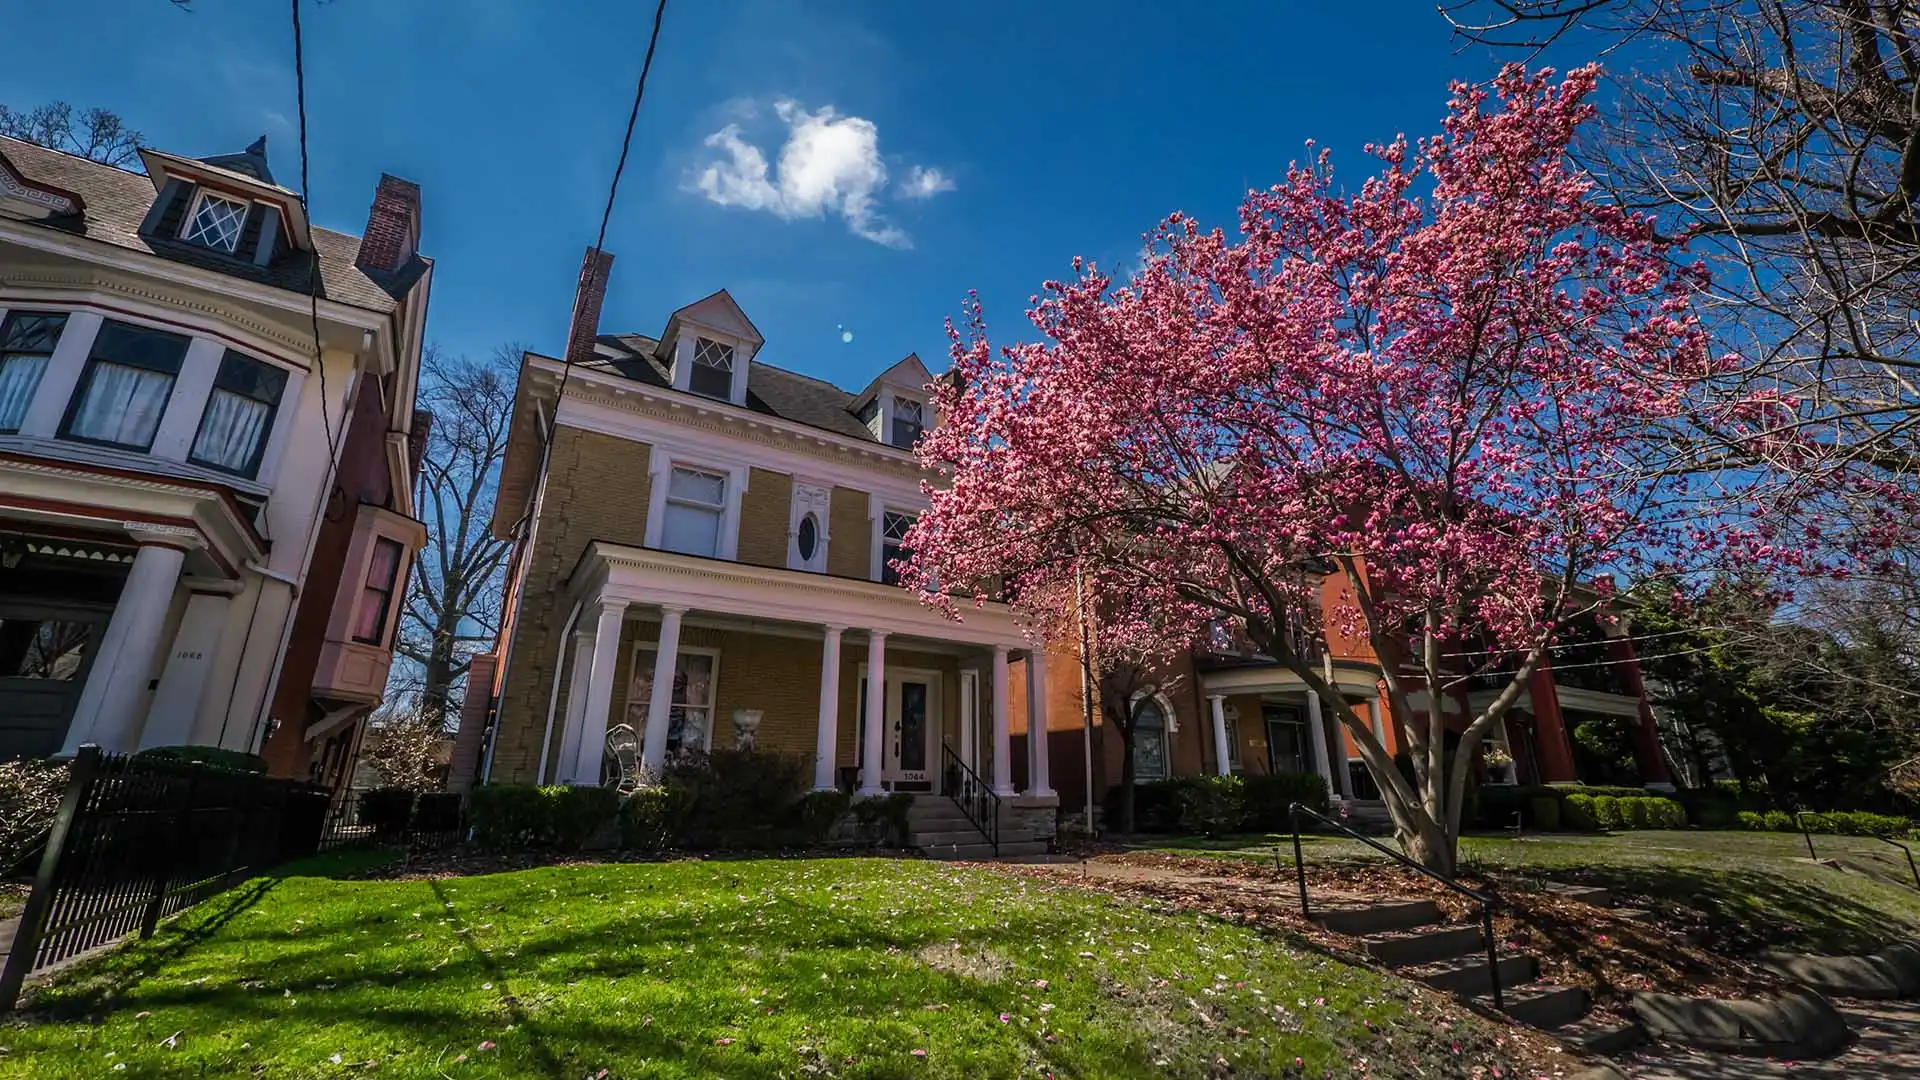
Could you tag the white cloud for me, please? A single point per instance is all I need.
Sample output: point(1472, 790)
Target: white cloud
point(829, 164)
point(925, 183)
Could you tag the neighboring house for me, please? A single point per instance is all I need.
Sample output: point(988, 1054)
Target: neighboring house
point(205, 527)
point(1232, 710)
point(702, 554)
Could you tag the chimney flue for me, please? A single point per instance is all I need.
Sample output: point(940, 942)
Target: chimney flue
point(588, 296)
point(393, 226)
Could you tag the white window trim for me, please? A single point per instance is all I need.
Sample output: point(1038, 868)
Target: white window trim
point(683, 347)
point(816, 497)
point(877, 511)
point(1169, 725)
point(713, 690)
point(200, 196)
point(884, 398)
point(664, 459)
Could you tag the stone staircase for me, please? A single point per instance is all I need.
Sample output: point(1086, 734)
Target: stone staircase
point(936, 826)
point(1410, 938)
point(1369, 816)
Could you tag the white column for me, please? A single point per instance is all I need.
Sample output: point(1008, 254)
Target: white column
point(107, 714)
point(1222, 753)
point(1379, 725)
point(598, 700)
point(826, 745)
point(1039, 777)
point(1317, 734)
point(970, 719)
point(576, 706)
point(1002, 732)
point(183, 682)
point(1342, 772)
point(666, 660)
point(875, 743)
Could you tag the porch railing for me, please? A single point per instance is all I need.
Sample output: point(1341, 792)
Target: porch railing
point(972, 795)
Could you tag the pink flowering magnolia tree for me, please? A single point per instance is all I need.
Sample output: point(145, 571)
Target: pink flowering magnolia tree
point(1446, 387)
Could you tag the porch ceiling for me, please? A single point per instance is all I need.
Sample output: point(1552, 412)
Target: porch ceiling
point(648, 577)
point(80, 496)
point(1353, 679)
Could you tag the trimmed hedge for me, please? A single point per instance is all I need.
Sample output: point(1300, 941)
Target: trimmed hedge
point(521, 815)
point(1268, 797)
point(1203, 803)
point(1838, 822)
point(1213, 805)
point(233, 760)
point(1613, 813)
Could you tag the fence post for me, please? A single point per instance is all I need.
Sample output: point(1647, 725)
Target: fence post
point(33, 918)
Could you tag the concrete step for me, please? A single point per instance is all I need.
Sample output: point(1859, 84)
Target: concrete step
point(1634, 914)
point(966, 834)
point(1543, 1005)
point(1423, 946)
point(1361, 919)
point(1467, 976)
point(1586, 894)
point(1015, 849)
point(1599, 1033)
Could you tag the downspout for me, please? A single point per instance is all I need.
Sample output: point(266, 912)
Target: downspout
point(553, 695)
point(295, 585)
point(547, 431)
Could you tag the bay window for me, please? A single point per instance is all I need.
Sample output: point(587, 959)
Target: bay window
point(124, 390)
point(376, 597)
point(695, 507)
point(27, 340)
point(239, 414)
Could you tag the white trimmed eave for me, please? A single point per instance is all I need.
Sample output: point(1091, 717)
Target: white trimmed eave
point(1274, 679)
point(648, 578)
point(1595, 701)
point(59, 494)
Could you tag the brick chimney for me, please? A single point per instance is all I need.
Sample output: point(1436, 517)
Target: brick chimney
point(393, 226)
point(587, 298)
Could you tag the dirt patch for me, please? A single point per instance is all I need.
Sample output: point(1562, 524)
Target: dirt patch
point(980, 965)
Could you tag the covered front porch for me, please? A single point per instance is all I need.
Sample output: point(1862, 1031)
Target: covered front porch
point(697, 655)
point(1264, 719)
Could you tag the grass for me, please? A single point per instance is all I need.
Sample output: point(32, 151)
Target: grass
point(1751, 890)
point(749, 968)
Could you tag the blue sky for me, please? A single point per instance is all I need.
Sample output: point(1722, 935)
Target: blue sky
point(1012, 136)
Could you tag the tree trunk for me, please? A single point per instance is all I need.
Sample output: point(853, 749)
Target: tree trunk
point(1125, 825)
point(1429, 846)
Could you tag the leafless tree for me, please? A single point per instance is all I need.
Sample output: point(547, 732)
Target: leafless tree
point(405, 749)
point(1783, 136)
point(96, 133)
point(454, 594)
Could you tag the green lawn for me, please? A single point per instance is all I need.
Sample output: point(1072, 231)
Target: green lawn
point(749, 968)
point(1752, 889)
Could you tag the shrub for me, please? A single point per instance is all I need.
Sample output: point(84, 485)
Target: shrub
point(211, 756)
point(1213, 805)
point(738, 797)
point(1580, 812)
point(386, 811)
point(1747, 819)
point(1633, 813)
point(508, 815)
point(1267, 798)
point(1606, 812)
point(1156, 805)
point(574, 813)
point(818, 812)
point(884, 817)
point(437, 812)
point(651, 817)
point(1844, 822)
point(1544, 810)
point(30, 794)
point(1709, 808)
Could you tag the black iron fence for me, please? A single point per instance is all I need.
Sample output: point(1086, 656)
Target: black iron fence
point(136, 841)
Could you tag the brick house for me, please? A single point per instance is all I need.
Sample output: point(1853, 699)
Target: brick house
point(205, 516)
point(1234, 711)
point(702, 546)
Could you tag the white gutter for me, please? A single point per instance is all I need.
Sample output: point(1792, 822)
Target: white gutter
point(553, 695)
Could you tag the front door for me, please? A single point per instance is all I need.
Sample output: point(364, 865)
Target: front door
point(912, 735)
point(46, 651)
point(1286, 739)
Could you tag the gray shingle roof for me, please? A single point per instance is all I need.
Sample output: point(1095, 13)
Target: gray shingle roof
point(772, 390)
point(117, 202)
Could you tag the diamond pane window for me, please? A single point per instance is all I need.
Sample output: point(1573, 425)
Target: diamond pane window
point(893, 531)
point(712, 373)
point(216, 222)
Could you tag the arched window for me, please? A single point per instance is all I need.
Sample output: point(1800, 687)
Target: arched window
point(1149, 740)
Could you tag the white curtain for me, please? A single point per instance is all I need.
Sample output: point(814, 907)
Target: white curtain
point(692, 529)
point(230, 431)
point(19, 378)
point(123, 405)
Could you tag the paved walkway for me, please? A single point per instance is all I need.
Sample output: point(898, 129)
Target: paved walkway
point(1886, 1045)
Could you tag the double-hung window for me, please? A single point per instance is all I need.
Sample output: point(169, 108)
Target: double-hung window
point(233, 430)
point(27, 340)
point(125, 387)
point(909, 422)
point(376, 596)
point(712, 372)
point(696, 505)
point(893, 535)
point(690, 714)
point(216, 221)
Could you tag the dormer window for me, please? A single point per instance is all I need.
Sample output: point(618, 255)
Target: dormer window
point(909, 422)
point(712, 372)
point(216, 221)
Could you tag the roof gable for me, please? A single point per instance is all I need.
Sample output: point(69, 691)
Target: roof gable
point(907, 374)
point(719, 313)
point(22, 197)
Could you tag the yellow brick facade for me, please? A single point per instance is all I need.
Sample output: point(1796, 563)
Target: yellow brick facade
point(850, 547)
point(765, 509)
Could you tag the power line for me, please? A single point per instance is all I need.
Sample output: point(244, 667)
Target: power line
point(313, 279)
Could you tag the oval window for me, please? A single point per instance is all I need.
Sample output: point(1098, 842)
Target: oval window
point(808, 538)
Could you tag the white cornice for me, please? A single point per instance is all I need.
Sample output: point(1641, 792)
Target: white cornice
point(81, 284)
point(1274, 679)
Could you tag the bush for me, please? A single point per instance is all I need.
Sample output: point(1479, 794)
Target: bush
point(884, 817)
point(1606, 813)
point(651, 817)
point(1842, 822)
point(1580, 813)
point(1545, 812)
point(30, 794)
point(1213, 805)
point(1268, 797)
point(738, 798)
point(818, 812)
point(211, 756)
point(386, 811)
point(1633, 813)
point(1709, 808)
point(1156, 805)
point(437, 812)
point(516, 815)
point(574, 813)
point(1779, 821)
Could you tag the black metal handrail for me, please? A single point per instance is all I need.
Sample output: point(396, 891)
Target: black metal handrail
point(1804, 833)
point(1905, 848)
point(972, 795)
point(1485, 900)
